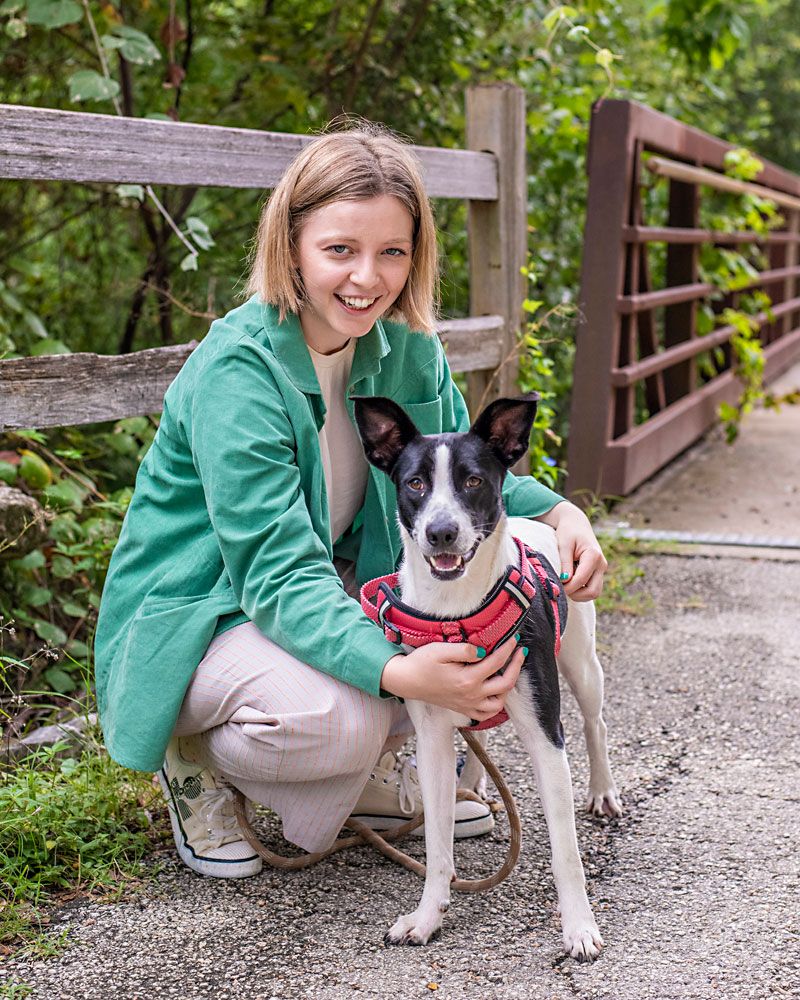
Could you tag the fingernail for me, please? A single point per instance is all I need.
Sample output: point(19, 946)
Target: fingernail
point(525, 651)
point(518, 636)
point(481, 652)
point(565, 576)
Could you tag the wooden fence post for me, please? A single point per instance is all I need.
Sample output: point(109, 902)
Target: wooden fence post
point(498, 244)
point(611, 161)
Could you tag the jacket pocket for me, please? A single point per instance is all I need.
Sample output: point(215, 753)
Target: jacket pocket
point(427, 417)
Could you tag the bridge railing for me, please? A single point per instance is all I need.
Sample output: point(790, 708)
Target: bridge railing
point(640, 394)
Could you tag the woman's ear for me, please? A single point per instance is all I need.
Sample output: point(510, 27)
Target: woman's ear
point(505, 425)
point(385, 430)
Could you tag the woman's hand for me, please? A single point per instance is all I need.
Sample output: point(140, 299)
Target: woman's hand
point(582, 561)
point(451, 675)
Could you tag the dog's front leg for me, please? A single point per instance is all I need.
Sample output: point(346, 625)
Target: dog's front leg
point(581, 936)
point(436, 768)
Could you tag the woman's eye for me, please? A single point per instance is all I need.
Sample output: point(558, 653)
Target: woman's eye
point(416, 484)
point(338, 249)
point(395, 252)
point(474, 481)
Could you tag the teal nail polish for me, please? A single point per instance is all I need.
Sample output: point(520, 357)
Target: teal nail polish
point(518, 636)
point(525, 651)
point(565, 576)
point(481, 652)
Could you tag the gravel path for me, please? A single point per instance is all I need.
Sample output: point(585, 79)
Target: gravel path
point(695, 889)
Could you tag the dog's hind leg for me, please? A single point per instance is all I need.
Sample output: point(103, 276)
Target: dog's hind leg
point(436, 769)
point(580, 667)
point(581, 936)
point(473, 774)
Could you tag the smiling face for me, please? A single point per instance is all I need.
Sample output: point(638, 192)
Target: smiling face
point(354, 259)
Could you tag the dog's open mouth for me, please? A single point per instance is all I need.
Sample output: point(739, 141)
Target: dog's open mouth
point(449, 565)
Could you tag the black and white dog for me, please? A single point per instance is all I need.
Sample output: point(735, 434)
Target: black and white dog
point(457, 547)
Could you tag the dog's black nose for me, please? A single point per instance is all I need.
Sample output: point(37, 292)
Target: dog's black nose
point(441, 532)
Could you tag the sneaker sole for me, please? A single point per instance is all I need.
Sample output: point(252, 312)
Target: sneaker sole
point(214, 867)
point(475, 827)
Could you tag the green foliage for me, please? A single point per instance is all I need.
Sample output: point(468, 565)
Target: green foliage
point(74, 823)
point(81, 477)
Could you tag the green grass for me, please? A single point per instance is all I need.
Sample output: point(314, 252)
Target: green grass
point(68, 826)
point(15, 989)
point(622, 589)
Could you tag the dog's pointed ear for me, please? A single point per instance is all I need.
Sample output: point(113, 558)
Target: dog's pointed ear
point(385, 430)
point(505, 425)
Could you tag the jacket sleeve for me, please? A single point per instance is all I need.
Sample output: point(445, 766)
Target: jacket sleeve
point(244, 451)
point(523, 495)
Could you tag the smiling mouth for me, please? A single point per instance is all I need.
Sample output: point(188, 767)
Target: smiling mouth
point(354, 304)
point(449, 565)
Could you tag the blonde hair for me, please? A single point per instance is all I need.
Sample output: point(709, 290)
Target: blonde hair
point(363, 162)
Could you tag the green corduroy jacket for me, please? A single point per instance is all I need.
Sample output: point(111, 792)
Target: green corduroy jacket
point(229, 519)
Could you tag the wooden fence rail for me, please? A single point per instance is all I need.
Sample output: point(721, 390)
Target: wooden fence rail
point(46, 144)
point(640, 396)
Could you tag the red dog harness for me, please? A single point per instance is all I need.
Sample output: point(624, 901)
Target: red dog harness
point(495, 620)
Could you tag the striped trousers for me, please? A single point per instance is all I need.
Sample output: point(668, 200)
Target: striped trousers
point(289, 736)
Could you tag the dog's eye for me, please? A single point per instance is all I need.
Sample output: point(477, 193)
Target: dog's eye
point(474, 481)
point(416, 484)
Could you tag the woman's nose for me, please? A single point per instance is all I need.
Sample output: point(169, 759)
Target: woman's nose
point(363, 273)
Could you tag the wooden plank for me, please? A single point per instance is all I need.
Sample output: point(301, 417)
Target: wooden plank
point(45, 144)
point(611, 166)
point(84, 388)
point(679, 234)
point(708, 178)
point(647, 367)
point(632, 459)
point(498, 230)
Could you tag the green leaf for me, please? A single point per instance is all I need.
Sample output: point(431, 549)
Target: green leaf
point(65, 494)
point(16, 28)
point(54, 13)
point(134, 191)
point(61, 567)
point(8, 472)
point(59, 680)
point(189, 262)
point(134, 45)
point(110, 42)
point(199, 232)
point(11, 6)
point(33, 560)
point(86, 85)
point(33, 595)
point(50, 346)
point(77, 649)
point(73, 610)
point(49, 632)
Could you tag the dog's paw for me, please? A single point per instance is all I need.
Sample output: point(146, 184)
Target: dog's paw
point(479, 787)
point(604, 803)
point(414, 928)
point(583, 941)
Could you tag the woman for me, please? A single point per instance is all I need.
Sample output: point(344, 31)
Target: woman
point(230, 649)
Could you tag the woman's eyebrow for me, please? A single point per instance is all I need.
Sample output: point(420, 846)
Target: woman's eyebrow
point(342, 238)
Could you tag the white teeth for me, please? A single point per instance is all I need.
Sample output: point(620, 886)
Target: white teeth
point(357, 303)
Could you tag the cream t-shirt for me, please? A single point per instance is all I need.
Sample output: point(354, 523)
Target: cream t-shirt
point(345, 466)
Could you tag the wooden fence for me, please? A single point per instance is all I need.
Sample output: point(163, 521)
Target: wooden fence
point(640, 395)
point(44, 144)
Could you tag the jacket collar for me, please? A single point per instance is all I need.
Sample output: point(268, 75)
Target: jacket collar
point(291, 350)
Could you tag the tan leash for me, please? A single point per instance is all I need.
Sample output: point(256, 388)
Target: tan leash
point(366, 835)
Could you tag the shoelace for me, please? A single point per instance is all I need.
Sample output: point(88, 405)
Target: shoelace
point(216, 807)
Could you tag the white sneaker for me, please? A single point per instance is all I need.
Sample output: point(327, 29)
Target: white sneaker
point(392, 796)
point(207, 834)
